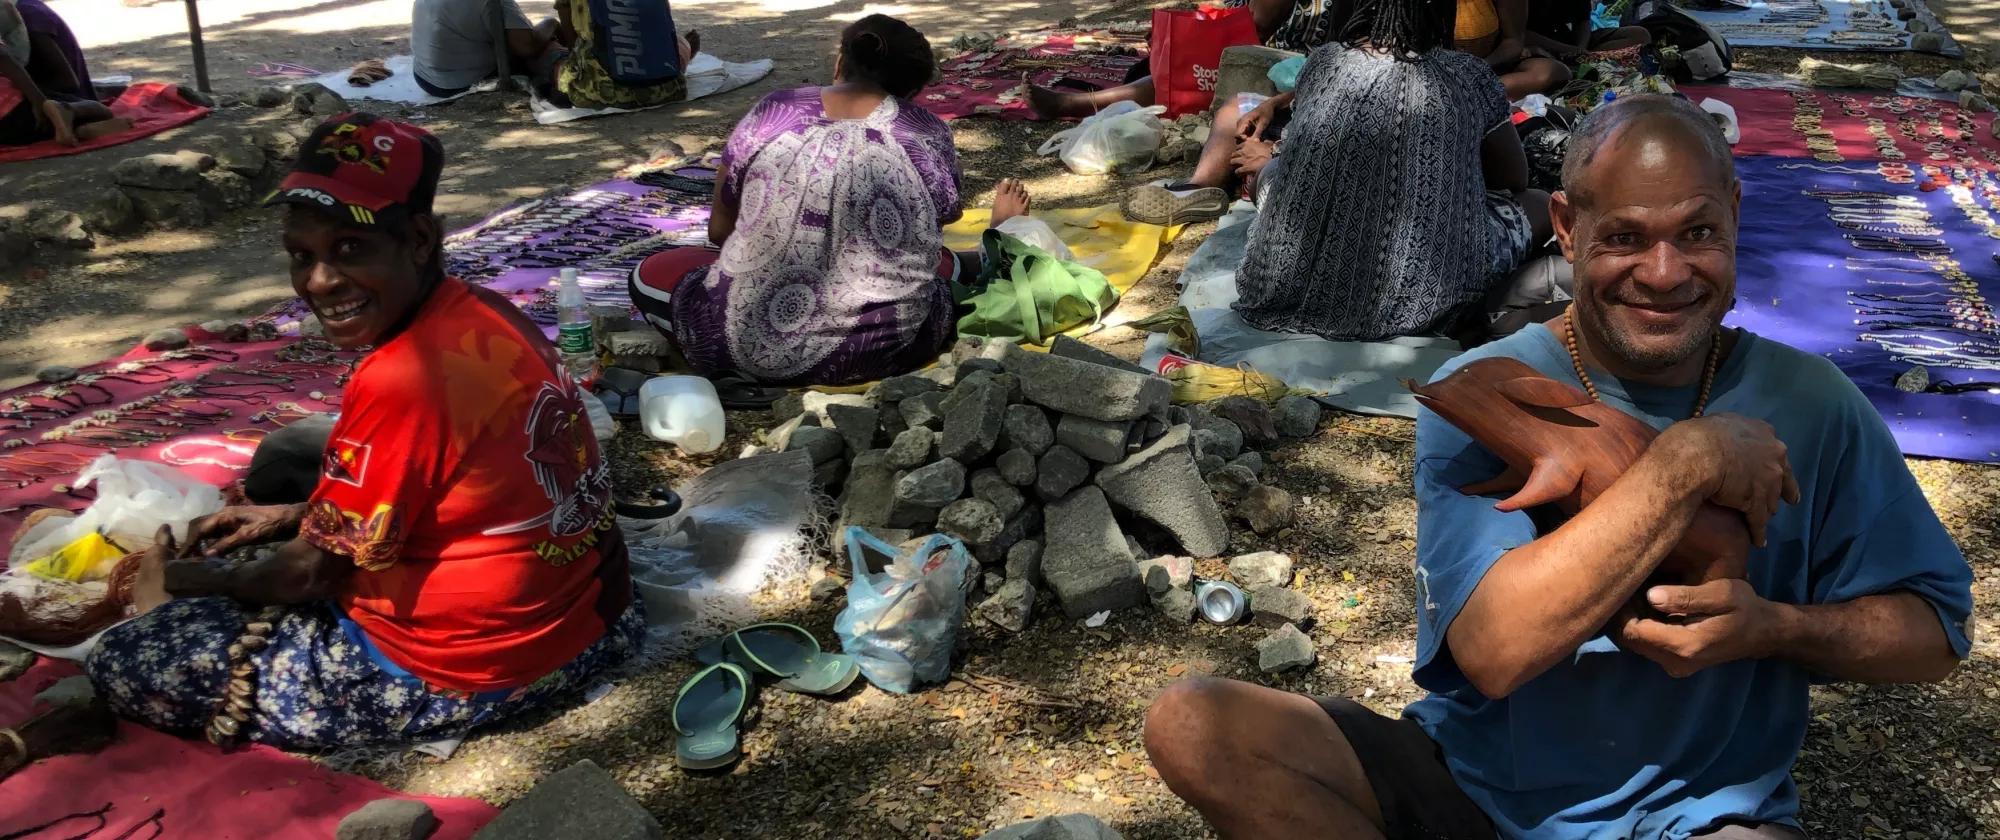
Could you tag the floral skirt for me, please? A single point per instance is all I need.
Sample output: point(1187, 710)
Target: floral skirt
point(316, 688)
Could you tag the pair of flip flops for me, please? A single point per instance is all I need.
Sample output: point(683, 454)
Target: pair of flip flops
point(709, 709)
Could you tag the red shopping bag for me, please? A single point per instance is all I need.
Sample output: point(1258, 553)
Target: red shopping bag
point(1187, 53)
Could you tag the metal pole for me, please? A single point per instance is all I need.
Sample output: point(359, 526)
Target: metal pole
point(194, 40)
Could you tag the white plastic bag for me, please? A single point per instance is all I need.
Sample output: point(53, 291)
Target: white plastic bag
point(901, 623)
point(1725, 117)
point(134, 498)
point(1123, 137)
point(1037, 233)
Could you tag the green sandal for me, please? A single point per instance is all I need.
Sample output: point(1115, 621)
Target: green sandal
point(706, 714)
point(787, 653)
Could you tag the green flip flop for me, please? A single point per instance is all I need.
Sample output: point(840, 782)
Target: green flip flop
point(786, 653)
point(705, 716)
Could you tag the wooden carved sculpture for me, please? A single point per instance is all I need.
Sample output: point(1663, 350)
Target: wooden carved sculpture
point(1564, 448)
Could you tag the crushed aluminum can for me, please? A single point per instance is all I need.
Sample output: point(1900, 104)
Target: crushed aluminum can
point(1220, 602)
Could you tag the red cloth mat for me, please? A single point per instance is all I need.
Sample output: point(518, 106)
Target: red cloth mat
point(989, 82)
point(152, 107)
point(253, 793)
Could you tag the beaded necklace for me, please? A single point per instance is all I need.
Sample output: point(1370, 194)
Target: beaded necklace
point(1576, 359)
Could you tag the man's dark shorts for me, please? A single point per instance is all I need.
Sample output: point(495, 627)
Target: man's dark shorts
point(1418, 798)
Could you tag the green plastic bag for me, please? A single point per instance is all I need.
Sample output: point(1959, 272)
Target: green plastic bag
point(1030, 296)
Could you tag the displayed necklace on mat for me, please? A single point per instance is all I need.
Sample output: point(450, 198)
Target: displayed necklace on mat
point(1707, 372)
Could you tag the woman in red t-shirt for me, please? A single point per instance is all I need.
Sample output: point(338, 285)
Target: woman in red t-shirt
point(457, 561)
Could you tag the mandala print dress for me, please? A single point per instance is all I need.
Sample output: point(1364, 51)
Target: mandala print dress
point(831, 275)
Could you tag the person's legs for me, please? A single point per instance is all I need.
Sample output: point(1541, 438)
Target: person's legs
point(1010, 199)
point(1213, 168)
point(1051, 104)
point(1534, 75)
point(1258, 762)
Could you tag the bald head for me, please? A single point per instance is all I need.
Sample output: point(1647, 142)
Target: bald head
point(1637, 122)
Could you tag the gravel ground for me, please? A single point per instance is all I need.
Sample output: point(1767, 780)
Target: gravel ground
point(1047, 722)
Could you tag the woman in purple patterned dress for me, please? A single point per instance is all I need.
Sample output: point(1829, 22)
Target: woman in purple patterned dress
point(829, 210)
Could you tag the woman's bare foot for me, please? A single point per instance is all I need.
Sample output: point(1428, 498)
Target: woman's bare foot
point(102, 128)
point(62, 120)
point(149, 586)
point(1010, 199)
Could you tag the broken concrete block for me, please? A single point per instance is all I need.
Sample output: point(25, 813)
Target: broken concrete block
point(972, 421)
point(1084, 558)
point(857, 424)
point(1024, 561)
point(1070, 348)
point(824, 445)
point(896, 389)
point(1098, 440)
point(1081, 388)
point(1161, 485)
point(1059, 471)
point(870, 492)
point(387, 819)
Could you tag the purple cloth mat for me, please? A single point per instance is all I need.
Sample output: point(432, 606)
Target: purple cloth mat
point(1793, 285)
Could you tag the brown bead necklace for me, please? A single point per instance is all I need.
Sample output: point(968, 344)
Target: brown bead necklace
point(1707, 373)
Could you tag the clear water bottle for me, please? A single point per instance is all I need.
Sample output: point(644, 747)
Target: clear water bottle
point(573, 336)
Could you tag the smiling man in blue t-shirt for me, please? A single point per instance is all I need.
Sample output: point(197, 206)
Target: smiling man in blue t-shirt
point(1539, 723)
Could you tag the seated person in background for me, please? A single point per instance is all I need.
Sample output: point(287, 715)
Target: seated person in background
point(1497, 31)
point(1401, 194)
point(457, 562)
point(635, 60)
point(53, 58)
point(30, 113)
point(451, 44)
point(829, 209)
point(1561, 29)
point(1557, 712)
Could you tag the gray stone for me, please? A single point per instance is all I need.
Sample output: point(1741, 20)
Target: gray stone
point(1161, 485)
point(1252, 461)
point(1064, 827)
point(1166, 572)
point(61, 229)
point(1930, 42)
point(1098, 440)
point(279, 144)
point(992, 581)
point(1286, 649)
point(1271, 606)
point(1232, 482)
point(270, 96)
point(857, 424)
point(110, 210)
point(870, 491)
point(823, 444)
point(973, 520)
point(647, 342)
point(1208, 464)
point(1059, 471)
point(1214, 435)
point(1253, 417)
point(222, 189)
point(1085, 559)
point(1264, 568)
point(924, 410)
point(242, 157)
point(162, 170)
point(780, 436)
point(972, 423)
point(1081, 388)
point(166, 339)
point(1002, 496)
point(1070, 348)
point(1011, 607)
point(977, 365)
point(1974, 102)
point(1956, 80)
point(892, 423)
point(1133, 548)
point(580, 801)
point(169, 208)
point(1017, 467)
point(315, 99)
point(1176, 604)
point(1021, 526)
point(913, 448)
point(828, 476)
point(1009, 383)
point(1027, 427)
point(932, 486)
point(896, 389)
point(14, 660)
point(57, 373)
point(1024, 561)
point(1296, 417)
point(387, 819)
point(984, 482)
point(1267, 509)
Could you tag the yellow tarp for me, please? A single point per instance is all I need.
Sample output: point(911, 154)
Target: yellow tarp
point(1100, 237)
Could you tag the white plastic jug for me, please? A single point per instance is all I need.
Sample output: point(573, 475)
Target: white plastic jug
point(683, 411)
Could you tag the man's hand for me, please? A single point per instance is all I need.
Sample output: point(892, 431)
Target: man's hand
point(1743, 465)
point(234, 527)
point(1251, 156)
point(1688, 628)
point(1251, 125)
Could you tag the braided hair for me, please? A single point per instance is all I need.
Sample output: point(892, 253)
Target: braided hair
point(1401, 28)
point(887, 53)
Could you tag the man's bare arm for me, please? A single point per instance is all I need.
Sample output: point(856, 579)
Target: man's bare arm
point(1894, 637)
point(297, 573)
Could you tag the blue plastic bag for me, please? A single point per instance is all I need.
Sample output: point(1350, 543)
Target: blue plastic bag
point(1285, 74)
point(901, 623)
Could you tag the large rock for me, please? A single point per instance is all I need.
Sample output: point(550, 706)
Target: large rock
point(222, 189)
point(857, 424)
point(1024, 561)
point(1161, 485)
point(913, 448)
point(924, 410)
point(1271, 606)
point(1264, 568)
point(1252, 461)
point(1059, 471)
point(974, 521)
point(62, 229)
point(1267, 509)
point(1232, 481)
point(1027, 427)
point(1012, 606)
point(1286, 649)
point(1296, 417)
point(270, 96)
point(317, 100)
point(243, 157)
point(1252, 416)
point(1070, 348)
point(1021, 526)
point(823, 444)
point(165, 339)
point(1085, 559)
point(972, 420)
point(1065, 827)
point(987, 485)
point(1017, 467)
point(170, 208)
point(163, 170)
point(1098, 440)
point(1082, 388)
point(1169, 586)
point(896, 389)
point(581, 801)
point(870, 492)
point(387, 819)
point(932, 486)
point(110, 210)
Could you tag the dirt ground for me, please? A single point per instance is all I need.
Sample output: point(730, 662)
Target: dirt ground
point(1043, 723)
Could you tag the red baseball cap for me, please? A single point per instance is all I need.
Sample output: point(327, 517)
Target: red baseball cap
point(364, 167)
